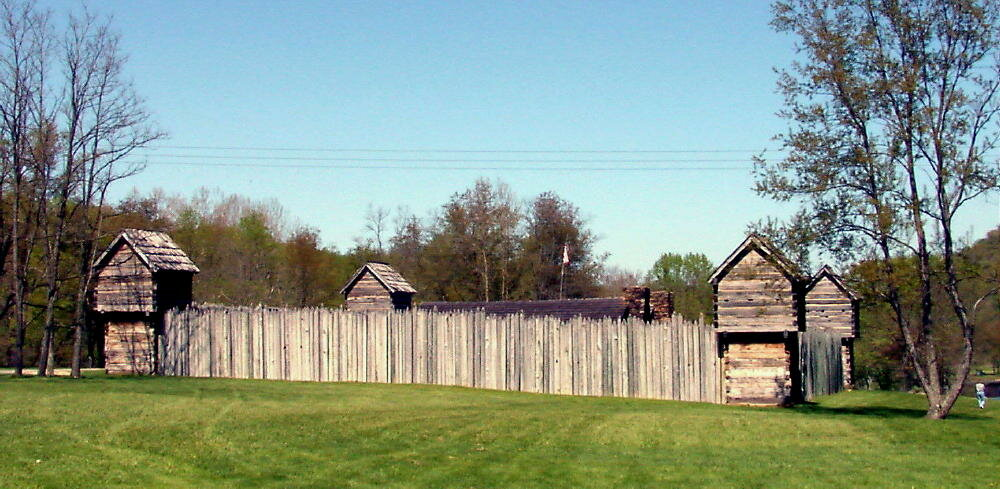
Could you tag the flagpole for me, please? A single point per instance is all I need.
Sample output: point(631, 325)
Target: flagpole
point(562, 268)
point(562, 272)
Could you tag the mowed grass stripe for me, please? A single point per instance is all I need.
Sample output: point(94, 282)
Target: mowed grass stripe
point(179, 432)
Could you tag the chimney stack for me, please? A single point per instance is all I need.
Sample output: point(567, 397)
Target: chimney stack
point(649, 305)
point(661, 305)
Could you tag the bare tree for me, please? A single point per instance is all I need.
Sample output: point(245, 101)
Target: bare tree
point(102, 121)
point(25, 34)
point(68, 120)
point(114, 123)
point(615, 278)
point(376, 222)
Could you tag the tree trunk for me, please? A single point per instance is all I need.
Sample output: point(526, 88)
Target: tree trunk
point(79, 316)
point(78, 339)
point(52, 272)
point(50, 363)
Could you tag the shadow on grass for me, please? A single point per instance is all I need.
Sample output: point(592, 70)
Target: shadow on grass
point(875, 411)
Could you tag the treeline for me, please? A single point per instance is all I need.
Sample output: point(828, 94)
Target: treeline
point(482, 244)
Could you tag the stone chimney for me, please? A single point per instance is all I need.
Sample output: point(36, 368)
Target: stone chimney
point(649, 305)
point(637, 299)
point(661, 305)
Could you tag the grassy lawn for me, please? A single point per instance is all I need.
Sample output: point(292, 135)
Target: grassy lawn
point(178, 432)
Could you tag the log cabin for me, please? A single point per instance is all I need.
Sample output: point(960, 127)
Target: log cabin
point(376, 286)
point(832, 305)
point(757, 316)
point(139, 276)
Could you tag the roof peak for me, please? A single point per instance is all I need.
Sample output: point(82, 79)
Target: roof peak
point(838, 281)
point(755, 241)
point(156, 249)
point(392, 280)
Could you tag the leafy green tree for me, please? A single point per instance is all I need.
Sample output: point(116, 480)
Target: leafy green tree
point(984, 257)
point(892, 113)
point(475, 242)
point(306, 284)
point(687, 277)
point(552, 224)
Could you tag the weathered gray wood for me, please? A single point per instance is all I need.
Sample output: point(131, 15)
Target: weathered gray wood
point(822, 368)
point(661, 360)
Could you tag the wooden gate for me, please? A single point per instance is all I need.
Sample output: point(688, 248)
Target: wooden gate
point(822, 365)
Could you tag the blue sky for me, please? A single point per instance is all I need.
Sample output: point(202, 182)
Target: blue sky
point(689, 78)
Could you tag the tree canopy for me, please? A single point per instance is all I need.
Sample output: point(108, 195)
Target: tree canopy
point(687, 277)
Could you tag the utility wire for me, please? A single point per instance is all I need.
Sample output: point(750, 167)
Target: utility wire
point(430, 150)
point(443, 160)
point(446, 168)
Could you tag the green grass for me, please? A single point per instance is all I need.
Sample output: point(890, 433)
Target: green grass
point(178, 432)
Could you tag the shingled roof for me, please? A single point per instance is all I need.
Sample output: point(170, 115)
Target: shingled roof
point(155, 249)
point(614, 308)
point(385, 274)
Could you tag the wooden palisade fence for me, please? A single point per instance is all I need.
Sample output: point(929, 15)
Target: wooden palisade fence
point(821, 363)
point(673, 359)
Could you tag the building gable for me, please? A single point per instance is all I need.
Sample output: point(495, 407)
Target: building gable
point(830, 304)
point(157, 250)
point(757, 290)
point(387, 276)
point(124, 282)
point(764, 249)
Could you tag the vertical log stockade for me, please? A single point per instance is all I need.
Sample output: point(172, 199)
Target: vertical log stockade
point(672, 359)
point(777, 337)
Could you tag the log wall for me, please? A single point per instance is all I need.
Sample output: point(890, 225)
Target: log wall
point(128, 347)
point(829, 308)
point(758, 372)
point(847, 362)
point(125, 284)
point(754, 296)
point(673, 359)
point(368, 294)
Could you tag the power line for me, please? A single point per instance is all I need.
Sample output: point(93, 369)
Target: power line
point(445, 160)
point(444, 168)
point(453, 150)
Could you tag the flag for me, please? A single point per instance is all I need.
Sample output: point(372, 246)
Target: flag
point(565, 255)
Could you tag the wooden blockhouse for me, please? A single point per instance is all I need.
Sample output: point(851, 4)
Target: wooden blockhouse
point(831, 305)
point(758, 315)
point(141, 275)
point(376, 286)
